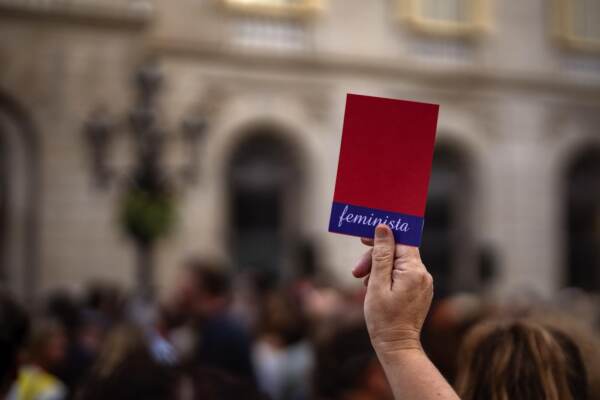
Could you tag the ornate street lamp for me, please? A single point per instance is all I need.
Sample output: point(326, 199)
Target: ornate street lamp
point(147, 206)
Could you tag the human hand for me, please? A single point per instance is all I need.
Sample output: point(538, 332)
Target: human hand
point(399, 293)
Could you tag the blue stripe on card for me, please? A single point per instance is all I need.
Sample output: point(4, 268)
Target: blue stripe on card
point(361, 221)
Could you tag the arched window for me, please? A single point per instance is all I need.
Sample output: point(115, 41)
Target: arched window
point(583, 221)
point(4, 205)
point(447, 246)
point(19, 186)
point(264, 194)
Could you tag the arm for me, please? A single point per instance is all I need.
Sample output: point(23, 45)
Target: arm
point(399, 293)
point(412, 376)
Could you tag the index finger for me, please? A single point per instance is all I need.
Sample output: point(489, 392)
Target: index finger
point(363, 267)
point(367, 241)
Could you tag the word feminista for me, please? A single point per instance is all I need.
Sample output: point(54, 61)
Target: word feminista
point(372, 220)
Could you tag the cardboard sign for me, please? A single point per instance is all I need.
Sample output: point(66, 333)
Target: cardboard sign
point(384, 167)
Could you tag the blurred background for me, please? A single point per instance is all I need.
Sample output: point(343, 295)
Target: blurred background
point(137, 135)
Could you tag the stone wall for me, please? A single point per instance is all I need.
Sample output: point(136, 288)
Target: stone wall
point(514, 101)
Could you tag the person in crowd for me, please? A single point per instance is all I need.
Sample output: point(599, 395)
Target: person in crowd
point(347, 367)
point(580, 329)
point(203, 297)
point(447, 323)
point(66, 310)
point(14, 329)
point(126, 369)
point(45, 351)
point(282, 353)
point(199, 383)
point(515, 361)
point(520, 359)
point(106, 302)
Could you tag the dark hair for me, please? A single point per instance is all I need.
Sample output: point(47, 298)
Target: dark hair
point(211, 276)
point(282, 316)
point(342, 361)
point(198, 383)
point(14, 331)
point(520, 360)
point(62, 307)
point(107, 299)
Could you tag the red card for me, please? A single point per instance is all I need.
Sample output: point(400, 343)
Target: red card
point(384, 167)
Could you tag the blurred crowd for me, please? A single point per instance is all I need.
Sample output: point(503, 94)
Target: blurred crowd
point(224, 335)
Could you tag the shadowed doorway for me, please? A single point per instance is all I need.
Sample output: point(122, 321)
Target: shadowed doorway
point(19, 199)
point(583, 221)
point(264, 186)
point(447, 246)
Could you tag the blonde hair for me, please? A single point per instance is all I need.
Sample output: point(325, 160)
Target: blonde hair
point(518, 360)
point(121, 342)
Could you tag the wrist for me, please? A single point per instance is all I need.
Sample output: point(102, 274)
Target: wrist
point(391, 344)
point(400, 355)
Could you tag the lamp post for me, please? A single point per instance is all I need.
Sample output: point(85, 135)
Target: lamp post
point(147, 206)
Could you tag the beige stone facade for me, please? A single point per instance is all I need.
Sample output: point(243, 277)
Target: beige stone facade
point(516, 104)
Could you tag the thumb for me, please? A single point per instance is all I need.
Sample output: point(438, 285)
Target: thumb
point(382, 257)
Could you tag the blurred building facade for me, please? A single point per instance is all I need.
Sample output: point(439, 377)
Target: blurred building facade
point(514, 199)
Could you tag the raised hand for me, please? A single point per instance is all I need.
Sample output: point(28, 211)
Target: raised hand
point(399, 293)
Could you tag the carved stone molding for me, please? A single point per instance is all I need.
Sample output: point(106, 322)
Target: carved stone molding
point(114, 13)
point(458, 77)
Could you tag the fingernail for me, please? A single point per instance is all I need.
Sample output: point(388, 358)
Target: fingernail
point(381, 232)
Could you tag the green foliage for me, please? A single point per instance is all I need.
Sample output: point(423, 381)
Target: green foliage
point(147, 216)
